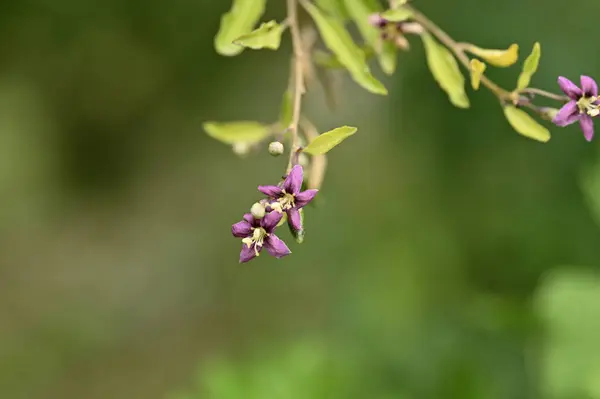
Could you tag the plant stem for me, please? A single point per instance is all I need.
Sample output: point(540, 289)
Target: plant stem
point(292, 18)
point(543, 93)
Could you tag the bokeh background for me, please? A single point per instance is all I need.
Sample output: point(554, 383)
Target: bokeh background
point(450, 257)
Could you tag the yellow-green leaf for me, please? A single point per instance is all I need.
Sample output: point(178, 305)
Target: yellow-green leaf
point(477, 68)
point(499, 58)
point(359, 11)
point(339, 41)
point(397, 14)
point(445, 70)
point(240, 20)
point(328, 140)
point(285, 113)
point(529, 67)
point(268, 35)
point(237, 132)
point(524, 124)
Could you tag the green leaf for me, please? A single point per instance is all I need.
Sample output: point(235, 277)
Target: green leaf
point(286, 112)
point(477, 69)
point(445, 70)
point(339, 41)
point(268, 35)
point(240, 20)
point(524, 124)
point(568, 305)
point(529, 67)
point(326, 141)
point(246, 132)
point(495, 57)
point(397, 14)
point(360, 10)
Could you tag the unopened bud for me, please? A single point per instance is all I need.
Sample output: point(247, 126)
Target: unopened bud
point(241, 148)
point(258, 210)
point(276, 148)
point(303, 160)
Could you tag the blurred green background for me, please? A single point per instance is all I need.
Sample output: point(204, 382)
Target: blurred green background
point(451, 258)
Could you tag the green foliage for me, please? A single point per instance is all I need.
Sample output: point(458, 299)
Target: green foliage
point(247, 132)
point(524, 124)
point(328, 140)
point(339, 41)
point(286, 111)
point(477, 69)
point(529, 67)
point(239, 21)
point(302, 371)
point(360, 10)
point(268, 36)
point(397, 14)
point(445, 70)
point(568, 302)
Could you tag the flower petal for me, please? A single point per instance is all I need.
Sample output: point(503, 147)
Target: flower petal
point(587, 125)
point(303, 198)
point(294, 218)
point(568, 114)
point(270, 221)
point(249, 218)
point(241, 229)
point(589, 86)
point(247, 254)
point(293, 181)
point(276, 247)
point(569, 88)
point(270, 191)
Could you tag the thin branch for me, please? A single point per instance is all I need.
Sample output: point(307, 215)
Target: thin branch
point(292, 18)
point(544, 93)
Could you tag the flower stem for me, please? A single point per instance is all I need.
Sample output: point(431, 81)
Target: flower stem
point(543, 93)
point(292, 18)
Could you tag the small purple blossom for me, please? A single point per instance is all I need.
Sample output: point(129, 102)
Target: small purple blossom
point(258, 233)
point(288, 197)
point(584, 104)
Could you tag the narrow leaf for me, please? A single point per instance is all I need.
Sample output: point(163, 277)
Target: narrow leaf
point(499, 58)
point(240, 20)
point(339, 41)
point(360, 10)
point(529, 67)
point(268, 35)
point(477, 69)
point(397, 14)
point(285, 114)
point(326, 141)
point(445, 70)
point(241, 132)
point(524, 124)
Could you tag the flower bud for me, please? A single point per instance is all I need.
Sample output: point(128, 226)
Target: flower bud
point(303, 160)
point(258, 210)
point(276, 148)
point(241, 148)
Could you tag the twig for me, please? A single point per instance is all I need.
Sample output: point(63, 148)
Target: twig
point(292, 18)
point(544, 93)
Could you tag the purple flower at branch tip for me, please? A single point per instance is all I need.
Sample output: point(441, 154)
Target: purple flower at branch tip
point(288, 197)
point(584, 104)
point(258, 233)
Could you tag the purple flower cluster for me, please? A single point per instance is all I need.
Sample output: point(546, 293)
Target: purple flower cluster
point(257, 233)
point(584, 104)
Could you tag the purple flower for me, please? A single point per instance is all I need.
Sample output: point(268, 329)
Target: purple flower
point(288, 197)
point(584, 105)
point(258, 233)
